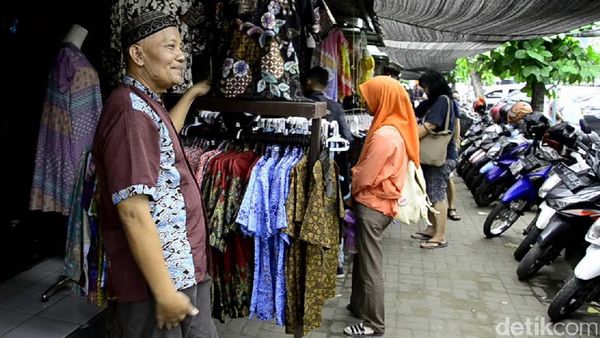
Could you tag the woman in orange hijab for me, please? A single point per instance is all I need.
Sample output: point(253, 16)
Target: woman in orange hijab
point(377, 182)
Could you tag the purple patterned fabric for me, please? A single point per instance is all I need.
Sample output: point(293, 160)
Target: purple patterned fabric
point(69, 117)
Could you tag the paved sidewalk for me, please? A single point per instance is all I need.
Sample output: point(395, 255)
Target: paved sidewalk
point(463, 290)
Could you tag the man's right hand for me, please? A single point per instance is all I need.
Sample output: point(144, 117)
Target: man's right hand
point(172, 310)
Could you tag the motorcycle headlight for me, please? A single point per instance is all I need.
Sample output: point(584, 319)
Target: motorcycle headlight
point(593, 235)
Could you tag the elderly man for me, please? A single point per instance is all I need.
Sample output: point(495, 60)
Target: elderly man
point(151, 213)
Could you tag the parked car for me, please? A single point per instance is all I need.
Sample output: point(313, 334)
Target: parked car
point(495, 94)
point(573, 107)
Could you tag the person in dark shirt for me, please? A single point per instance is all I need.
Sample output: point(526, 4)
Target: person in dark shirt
point(433, 113)
point(316, 81)
point(420, 111)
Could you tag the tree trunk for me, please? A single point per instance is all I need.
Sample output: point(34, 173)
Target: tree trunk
point(477, 83)
point(537, 96)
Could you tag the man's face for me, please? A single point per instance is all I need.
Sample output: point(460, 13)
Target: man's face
point(163, 58)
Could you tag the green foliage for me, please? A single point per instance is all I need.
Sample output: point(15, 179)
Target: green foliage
point(549, 60)
point(465, 65)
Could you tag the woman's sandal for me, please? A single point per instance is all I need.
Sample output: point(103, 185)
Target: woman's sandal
point(422, 236)
point(360, 330)
point(438, 244)
point(453, 215)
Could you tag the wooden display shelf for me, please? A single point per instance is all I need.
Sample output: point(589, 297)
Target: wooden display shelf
point(274, 108)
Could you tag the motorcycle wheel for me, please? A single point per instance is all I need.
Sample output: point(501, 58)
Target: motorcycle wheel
point(527, 242)
point(500, 219)
point(570, 297)
point(477, 181)
point(487, 193)
point(533, 261)
point(462, 166)
point(471, 173)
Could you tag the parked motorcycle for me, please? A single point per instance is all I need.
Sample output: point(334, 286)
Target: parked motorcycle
point(576, 201)
point(584, 286)
point(487, 139)
point(503, 139)
point(503, 146)
point(541, 219)
point(499, 177)
point(534, 169)
point(577, 144)
point(506, 169)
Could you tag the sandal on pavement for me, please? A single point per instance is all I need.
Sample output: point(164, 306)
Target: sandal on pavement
point(437, 245)
point(453, 215)
point(360, 330)
point(422, 236)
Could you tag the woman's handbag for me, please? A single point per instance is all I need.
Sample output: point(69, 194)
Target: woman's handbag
point(434, 145)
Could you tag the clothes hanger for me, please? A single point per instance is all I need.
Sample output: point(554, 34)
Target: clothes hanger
point(196, 123)
point(336, 142)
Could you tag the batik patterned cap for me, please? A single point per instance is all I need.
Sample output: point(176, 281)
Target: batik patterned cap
point(142, 26)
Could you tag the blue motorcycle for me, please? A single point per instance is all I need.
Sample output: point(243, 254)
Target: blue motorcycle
point(499, 177)
point(532, 171)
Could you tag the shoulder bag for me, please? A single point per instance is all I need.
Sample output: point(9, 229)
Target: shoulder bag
point(435, 144)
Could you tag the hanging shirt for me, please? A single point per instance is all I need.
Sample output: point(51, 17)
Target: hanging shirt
point(279, 222)
point(74, 257)
point(333, 55)
point(320, 230)
point(366, 67)
point(264, 303)
point(71, 111)
point(295, 207)
point(137, 152)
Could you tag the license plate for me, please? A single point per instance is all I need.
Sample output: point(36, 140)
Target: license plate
point(530, 162)
point(545, 214)
point(516, 168)
point(568, 176)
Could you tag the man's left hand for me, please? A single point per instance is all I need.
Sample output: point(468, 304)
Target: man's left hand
point(201, 88)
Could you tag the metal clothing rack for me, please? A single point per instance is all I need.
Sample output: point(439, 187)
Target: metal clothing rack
point(313, 111)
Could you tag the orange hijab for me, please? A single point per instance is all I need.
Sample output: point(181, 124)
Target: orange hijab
point(388, 100)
